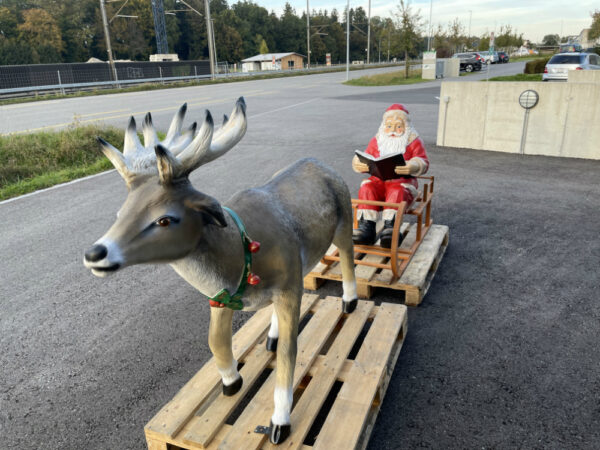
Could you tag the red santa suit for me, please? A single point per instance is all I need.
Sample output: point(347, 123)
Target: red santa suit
point(398, 189)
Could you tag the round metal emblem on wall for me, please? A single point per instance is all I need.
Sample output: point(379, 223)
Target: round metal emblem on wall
point(529, 98)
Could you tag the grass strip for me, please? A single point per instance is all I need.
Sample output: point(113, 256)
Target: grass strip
point(518, 77)
point(388, 79)
point(40, 160)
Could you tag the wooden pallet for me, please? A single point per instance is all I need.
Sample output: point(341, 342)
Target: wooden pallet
point(414, 281)
point(333, 348)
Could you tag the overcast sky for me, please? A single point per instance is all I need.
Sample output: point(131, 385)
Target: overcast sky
point(533, 18)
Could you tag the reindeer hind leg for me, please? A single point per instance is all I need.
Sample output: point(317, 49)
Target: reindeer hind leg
point(343, 241)
point(273, 335)
point(287, 308)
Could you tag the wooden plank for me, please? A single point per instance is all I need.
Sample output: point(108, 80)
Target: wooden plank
point(173, 416)
point(313, 283)
point(320, 268)
point(259, 411)
point(422, 261)
point(220, 409)
point(346, 420)
point(313, 397)
point(156, 445)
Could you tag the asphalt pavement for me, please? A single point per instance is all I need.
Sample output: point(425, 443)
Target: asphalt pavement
point(502, 353)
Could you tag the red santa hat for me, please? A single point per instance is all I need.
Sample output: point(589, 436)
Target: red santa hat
point(395, 109)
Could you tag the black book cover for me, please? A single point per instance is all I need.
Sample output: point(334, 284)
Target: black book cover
point(382, 167)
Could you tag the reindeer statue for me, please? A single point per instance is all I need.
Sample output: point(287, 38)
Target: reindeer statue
point(295, 217)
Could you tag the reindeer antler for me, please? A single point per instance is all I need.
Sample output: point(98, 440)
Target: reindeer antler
point(189, 149)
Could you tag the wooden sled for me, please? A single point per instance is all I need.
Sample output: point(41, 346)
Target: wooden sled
point(423, 245)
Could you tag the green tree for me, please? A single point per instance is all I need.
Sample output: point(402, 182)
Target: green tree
point(456, 36)
point(39, 29)
point(263, 48)
point(551, 39)
point(594, 32)
point(409, 31)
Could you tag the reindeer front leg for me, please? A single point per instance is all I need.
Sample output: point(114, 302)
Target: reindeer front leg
point(287, 309)
point(219, 341)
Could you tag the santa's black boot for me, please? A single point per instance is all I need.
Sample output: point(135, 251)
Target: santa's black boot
point(387, 233)
point(365, 233)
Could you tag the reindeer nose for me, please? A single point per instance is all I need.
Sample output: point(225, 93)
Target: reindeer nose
point(96, 253)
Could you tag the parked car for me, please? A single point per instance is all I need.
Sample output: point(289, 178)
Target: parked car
point(469, 61)
point(559, 65)
point(567, 48)
point(490, 56)
point(503, 57)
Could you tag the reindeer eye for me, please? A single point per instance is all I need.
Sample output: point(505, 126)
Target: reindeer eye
point(163, 222)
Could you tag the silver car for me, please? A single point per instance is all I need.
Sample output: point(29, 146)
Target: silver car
point(559, 65)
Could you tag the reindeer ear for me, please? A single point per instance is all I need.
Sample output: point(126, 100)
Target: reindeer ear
point(211, 210)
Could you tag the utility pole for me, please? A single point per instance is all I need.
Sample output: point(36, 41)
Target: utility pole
point(389, 37)
point(369, 36)
point(308, 33)
point(470, 16)
point(108, 47)
point(214, 44)
point(209, 30)
point(348, 41)
point(430, 28)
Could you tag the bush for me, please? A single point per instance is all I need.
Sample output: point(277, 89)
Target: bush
point(536, 66)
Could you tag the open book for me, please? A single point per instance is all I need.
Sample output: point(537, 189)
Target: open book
point(382, 167)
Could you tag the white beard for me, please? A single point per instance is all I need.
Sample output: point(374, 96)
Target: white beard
point(392, 143)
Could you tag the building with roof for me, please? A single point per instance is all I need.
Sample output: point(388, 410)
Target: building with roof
point(584, 40)
point(273, 61)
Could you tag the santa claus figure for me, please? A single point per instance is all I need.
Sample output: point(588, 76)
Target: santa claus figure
point(395, 135)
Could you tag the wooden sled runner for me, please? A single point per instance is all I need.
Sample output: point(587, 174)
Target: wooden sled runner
point(409, 266)
point(342, 372)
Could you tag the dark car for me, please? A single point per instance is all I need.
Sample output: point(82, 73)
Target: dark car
point(502, 57)
point(469, 61)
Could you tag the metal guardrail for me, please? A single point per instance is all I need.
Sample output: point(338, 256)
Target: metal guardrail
point(63, 87)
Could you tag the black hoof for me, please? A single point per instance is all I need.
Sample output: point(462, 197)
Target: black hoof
point(233, 388)
point(279, 433)
point(348, 307)
point(271, 344)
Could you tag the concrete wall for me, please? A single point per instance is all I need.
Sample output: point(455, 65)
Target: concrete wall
point(487, 116)
point(451, 67)
point(584, 76)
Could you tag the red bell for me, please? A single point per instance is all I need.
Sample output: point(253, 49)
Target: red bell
point(254, 246)
point(215, 304)
point(253, 279)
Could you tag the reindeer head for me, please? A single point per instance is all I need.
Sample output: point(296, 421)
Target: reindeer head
point(163, 217)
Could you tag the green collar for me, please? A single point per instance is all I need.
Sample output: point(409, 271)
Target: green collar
point(223, 297)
